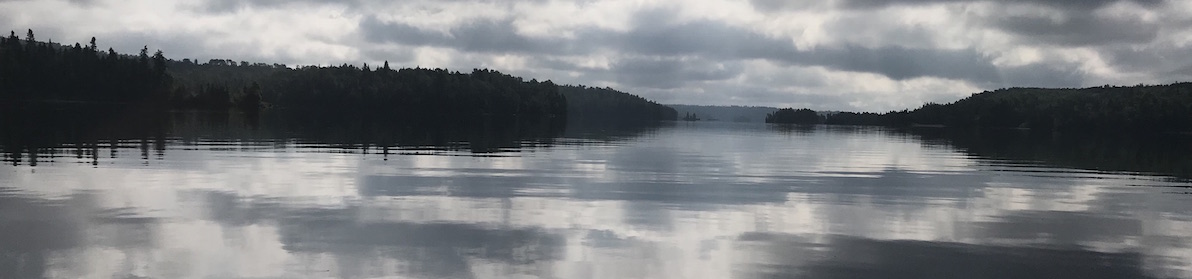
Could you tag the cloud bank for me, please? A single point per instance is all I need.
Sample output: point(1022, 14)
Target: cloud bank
point(867, 55)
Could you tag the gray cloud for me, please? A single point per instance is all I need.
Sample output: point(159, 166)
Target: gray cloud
point(1183, 72)
point(1041, 75)
point(761, 94)
point(222, 6)
point(673, 52)
point(715, 39)
point(1077, 30)
point(669, 72)
point(76, 2)
point(1061, 4)
point(487, 36)
point(777, 5)
point(1157, 59)
point(653, 34)
point(901, 63)
point(707, 39)
point(880, 32)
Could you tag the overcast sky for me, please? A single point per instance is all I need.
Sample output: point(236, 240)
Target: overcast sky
point(867, 55)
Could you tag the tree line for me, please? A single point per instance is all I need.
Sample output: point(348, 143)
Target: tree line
point(723, 113)
point(45, 72)
point(794, 116)
point(35, 71)
point(1141, 108)
point(416, 90)
point(409, 91)
point(42, 72)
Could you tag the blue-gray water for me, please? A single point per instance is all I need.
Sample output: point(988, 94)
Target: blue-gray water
point(688, 200)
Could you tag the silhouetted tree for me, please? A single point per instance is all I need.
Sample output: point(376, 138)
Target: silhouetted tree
point(793, 116)
point(144, 56)
point(36, 72)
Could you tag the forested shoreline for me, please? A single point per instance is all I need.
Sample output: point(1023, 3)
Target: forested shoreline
point(1141, 108)
point(35, 73)
point(606, 104)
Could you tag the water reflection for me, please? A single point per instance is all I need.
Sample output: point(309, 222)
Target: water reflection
point(853, 257)
point(688, 200)
point(35, 136)
point(1162, 154)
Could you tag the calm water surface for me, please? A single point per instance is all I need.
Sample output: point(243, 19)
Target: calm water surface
point(688, 200)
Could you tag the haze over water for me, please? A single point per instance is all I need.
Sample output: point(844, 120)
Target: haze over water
point(684, 200)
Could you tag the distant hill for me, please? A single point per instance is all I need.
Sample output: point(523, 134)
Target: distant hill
point(609, 105)
point(1103, 109)
point(724, 113)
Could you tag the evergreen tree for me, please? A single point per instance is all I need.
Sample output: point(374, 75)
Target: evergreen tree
point(144, 57)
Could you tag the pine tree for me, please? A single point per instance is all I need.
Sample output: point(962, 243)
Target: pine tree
point(144, 55)
point(159, 62)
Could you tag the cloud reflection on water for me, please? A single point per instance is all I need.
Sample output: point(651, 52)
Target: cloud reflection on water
point(686, 202)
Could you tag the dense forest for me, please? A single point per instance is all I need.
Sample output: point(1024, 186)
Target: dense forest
point(1150, 108)
point(1106, 108)
point(794, 116)
point(35, 72)
point(46, 72)
point(606, 104)
point(384, 90)
point(406, 90)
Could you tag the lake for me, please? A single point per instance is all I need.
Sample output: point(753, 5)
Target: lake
point(204, 196)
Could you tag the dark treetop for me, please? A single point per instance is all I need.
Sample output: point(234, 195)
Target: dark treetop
point(35, 72)
point(1141, 108)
